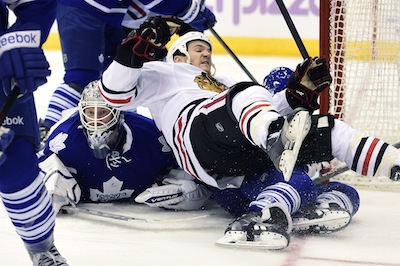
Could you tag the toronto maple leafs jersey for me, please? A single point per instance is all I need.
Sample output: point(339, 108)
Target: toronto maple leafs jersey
point(141, 155)
point(125, 12)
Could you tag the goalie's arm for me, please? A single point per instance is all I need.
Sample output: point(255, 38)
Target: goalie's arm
point(62, 187)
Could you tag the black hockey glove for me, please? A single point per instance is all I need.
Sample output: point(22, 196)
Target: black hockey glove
point(307, 82)
point(147, 43)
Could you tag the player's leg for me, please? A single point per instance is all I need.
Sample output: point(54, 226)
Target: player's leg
point(254, 109)
point(268, 217)
point(333, 210)
point(366, 155)
point(27, 202)
point(21, 185)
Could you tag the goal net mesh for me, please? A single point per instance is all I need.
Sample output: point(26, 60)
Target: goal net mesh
point(364, 59)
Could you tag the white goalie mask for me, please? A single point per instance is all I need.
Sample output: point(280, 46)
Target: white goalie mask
point(100, 121)
point(179, 47)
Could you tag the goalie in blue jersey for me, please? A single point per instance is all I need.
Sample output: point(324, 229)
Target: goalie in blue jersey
point(23, 68)
point(101, 154)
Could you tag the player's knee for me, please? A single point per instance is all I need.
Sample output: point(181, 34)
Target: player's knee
point(233, 91)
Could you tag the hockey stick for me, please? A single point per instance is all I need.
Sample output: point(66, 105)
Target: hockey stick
point(5, 109)
point(327, 176)
point(83, 210)
point(232, 54)
point(292, 29)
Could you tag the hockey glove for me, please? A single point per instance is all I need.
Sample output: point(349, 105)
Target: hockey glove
point(22, 58)
point(147, 43)
point(6, 136)
point(179, 192)
point(309, 80)
point(198, 16)
point(60, 184)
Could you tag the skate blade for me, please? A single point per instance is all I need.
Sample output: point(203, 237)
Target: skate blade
point(332, 221)
point(302, 121)
point(266, 241)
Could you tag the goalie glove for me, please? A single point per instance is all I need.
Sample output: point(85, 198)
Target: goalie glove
point(60, 184)
point(307, 82)
point(147, 43)
point(178, 192)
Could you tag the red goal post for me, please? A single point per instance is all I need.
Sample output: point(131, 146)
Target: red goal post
point(361, 41)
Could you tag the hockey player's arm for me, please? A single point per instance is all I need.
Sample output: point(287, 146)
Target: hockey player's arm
point(62, 187)
point(119, 81)
point(178, 192)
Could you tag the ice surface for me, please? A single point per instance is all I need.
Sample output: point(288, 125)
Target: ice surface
point(373, 237)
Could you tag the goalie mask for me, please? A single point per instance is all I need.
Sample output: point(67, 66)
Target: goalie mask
point(180, 46)
point(100, 121)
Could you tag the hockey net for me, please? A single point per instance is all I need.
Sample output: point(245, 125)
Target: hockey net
point(361, 40)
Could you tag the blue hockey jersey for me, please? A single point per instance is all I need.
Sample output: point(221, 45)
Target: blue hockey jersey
point(141, 155)
point(113, 11)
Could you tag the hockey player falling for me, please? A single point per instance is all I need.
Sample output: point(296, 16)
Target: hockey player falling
point(219, 135)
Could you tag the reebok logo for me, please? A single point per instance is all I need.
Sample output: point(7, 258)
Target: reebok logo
point(19, 39)
point(9, 121)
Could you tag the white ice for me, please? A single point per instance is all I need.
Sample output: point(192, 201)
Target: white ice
point(373, 237)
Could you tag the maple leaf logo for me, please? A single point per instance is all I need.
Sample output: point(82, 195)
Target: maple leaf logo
point(112, 190)
point(57, 143)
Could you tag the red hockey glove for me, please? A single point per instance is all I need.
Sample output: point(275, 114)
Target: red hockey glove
point(147, 43)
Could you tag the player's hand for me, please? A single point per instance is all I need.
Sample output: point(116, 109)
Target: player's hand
point(179, 192)
point(198, 16)
point(147, 43)
point(307, 82)
point(6, 136)
point(22, 58)
point(60, 184)
point(313, 73)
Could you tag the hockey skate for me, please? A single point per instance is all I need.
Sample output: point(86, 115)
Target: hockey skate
point(249, 231)
point(48, 258)
point(284, 148)
point(321, 220)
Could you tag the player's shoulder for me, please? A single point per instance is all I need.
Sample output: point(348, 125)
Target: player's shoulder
point(66, 125)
